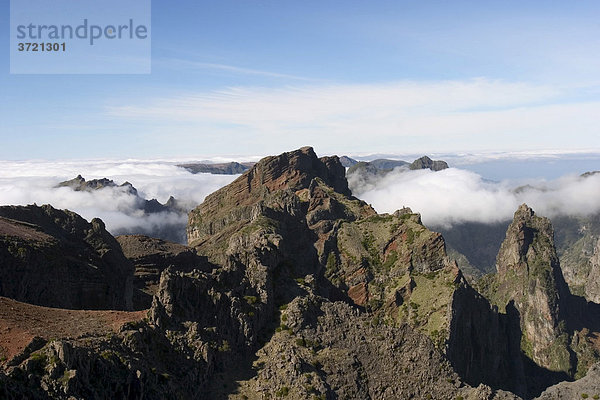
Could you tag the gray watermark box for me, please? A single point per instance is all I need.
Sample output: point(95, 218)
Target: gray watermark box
point(80, 36)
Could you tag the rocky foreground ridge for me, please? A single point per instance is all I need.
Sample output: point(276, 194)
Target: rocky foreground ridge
point(292, 288)
point(56, 258)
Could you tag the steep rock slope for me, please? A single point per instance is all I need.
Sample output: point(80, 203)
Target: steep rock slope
point(93, 355)
point(331, 350)
point(56, 258)
point(592, 285)
point(558, 330)
point(529, 275)
point(151, 256)
point(577, 241)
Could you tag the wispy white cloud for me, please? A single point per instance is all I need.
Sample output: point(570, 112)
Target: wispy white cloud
point(190, 64)
point(473, 114)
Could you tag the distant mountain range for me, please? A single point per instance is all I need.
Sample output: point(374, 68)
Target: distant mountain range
point(167, 230)
point(230, 168)
point(148, 206)
point(380, 164)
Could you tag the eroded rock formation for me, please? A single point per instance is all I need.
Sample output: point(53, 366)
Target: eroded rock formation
point(56, 258)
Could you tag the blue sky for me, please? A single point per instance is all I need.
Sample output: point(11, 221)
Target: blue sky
point(259, 77)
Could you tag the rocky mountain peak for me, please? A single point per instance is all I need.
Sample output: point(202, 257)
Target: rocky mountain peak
point(529, 275)
point(524, 212)
point(296, 169)
point(242, 200)
point(520, 236)
point(79, 184)
point(427, 163)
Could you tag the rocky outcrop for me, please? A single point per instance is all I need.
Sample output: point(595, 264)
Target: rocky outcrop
point(331, 350)
point(427, 163)
point(557, 329)
point(228, 209)
point(363, 175)
point(79, 184)
point(56, 258)
point(151, 206)
point(585, 388)
point(592, 286)
point(347, 161)
point(484, 345)
point(382, 166)
point(166, 221)
point(131, 360)
point(276, 238)
point(300, 225)
point(150, 257)
point(231, 168)
point(529, 275)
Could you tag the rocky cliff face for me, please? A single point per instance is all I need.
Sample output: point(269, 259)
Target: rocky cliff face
point(233, 205)
point(96, 355)
point(529, 275)
point(56, 258)
point(576, 241)
point(332, 350)
point(557, 329)
point(484, 344)
point(151, 256)
point(592, 285)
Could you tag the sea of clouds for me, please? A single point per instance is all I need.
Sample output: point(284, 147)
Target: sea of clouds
point(456, 195)
point(443, 198)
point(28, 182)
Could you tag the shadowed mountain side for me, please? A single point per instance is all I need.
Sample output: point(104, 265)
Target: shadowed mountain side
point(478, 242)
point(150, 257)
point(56, 258)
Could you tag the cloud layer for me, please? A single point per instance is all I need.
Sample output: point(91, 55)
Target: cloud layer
point(455, 195)
point(443, 198)
point(30, 182)
point(456, 115)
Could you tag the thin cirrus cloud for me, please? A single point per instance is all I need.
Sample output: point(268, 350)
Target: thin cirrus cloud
point(177, 63)
point(471, 114)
